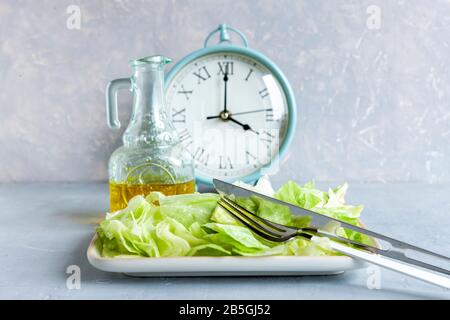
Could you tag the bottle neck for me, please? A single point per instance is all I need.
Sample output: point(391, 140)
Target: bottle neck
point(149, 124)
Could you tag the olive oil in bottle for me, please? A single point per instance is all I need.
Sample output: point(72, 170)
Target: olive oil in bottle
point(121, 193)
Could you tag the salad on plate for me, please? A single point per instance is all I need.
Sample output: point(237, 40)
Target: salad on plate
point(194, 224)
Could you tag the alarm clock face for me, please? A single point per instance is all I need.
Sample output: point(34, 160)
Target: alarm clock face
point(230, 112)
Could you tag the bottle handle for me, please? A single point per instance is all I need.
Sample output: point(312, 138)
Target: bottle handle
point(112, 117)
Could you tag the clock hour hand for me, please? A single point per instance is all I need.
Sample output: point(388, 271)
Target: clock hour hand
point(244, 126)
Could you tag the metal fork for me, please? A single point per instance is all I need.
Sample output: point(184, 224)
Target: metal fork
point(279, 233)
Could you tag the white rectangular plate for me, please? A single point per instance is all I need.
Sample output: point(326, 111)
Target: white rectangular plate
point(222, 266)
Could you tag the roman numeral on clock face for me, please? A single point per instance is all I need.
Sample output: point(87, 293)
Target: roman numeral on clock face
point(179, 115)
point(184, 135)
point(201, 156)
point(249, 156)
point(227, 67)
point(248, 75)
point(269, 115)
point(267, 137)
point(185, 92)
point(225, 164)
point(264, 93)
point(202, 74)
point(185, 140)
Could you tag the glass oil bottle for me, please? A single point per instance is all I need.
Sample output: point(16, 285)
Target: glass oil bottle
point(151, 158)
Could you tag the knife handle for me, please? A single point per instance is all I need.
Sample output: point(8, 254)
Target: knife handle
point(388, 263)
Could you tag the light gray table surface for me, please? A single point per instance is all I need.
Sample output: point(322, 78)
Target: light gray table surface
point(45, 227)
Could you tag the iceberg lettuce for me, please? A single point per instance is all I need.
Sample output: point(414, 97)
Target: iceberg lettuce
point(194, 225)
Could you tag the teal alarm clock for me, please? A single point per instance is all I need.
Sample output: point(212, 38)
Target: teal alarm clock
point(233, 108)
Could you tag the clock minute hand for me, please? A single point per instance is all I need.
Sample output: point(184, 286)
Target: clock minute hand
point(252, 111)
point(239, 113)
point(225, 79)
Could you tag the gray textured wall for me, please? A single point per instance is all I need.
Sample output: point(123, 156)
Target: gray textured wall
point(373, 96)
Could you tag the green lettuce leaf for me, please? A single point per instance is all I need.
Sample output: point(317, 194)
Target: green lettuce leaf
point(194, 225)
